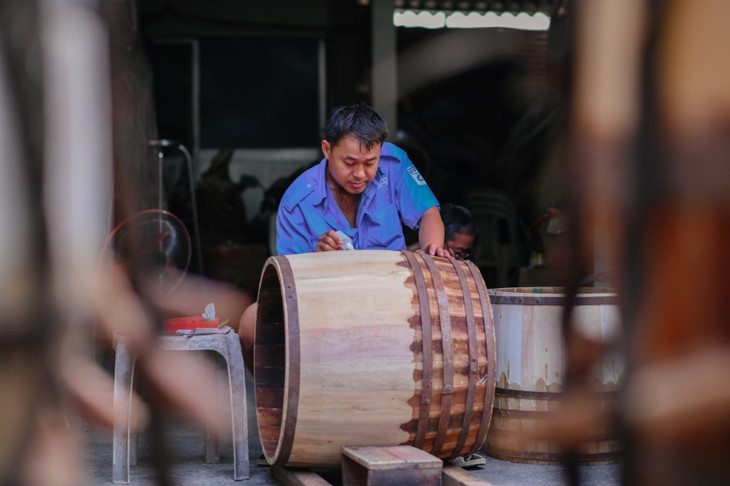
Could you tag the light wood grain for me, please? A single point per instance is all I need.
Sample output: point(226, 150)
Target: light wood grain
point(353, 371)
point(531, 364)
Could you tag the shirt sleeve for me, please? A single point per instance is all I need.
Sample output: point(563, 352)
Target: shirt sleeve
point(292, 234)
point(412, 193)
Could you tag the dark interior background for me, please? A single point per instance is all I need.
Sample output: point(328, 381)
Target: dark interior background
point(480, 111)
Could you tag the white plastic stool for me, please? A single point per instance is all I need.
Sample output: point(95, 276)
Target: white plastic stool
point(224, 341)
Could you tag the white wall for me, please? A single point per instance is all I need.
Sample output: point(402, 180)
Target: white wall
point(267, 165)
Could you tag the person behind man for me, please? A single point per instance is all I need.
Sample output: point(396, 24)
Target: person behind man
point(364, 187)
point(460, 230)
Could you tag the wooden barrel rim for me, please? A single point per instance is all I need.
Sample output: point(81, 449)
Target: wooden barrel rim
point(545, 395)
point(473, 360)
point(293, 370)
point(514, 296)
point(447, 352)
point(551, 457)
point(427, 338)
point(491, 342)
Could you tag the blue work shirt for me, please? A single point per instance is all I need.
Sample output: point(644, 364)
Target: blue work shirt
point(397, 195)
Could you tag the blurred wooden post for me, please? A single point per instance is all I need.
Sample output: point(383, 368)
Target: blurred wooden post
point(688, 238)
point(608, 51)
point(656, 174)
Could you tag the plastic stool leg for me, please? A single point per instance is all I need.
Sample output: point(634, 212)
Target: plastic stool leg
point(212, 453)
point(123, 375)
point(239, 415)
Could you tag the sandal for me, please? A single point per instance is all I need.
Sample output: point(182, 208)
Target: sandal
point(472, 460)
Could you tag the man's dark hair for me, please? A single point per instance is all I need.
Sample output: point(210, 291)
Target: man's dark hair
point(356, 120)
point(457, 219)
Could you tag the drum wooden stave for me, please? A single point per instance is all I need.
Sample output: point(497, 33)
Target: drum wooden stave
point(530, 369)
point(364, 347)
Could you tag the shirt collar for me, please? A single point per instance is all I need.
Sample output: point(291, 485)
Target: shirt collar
point(320, 190)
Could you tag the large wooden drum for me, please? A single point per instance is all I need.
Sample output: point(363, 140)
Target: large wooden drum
point(531, 365)
point(357, 348)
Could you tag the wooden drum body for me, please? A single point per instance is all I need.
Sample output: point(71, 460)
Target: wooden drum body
point(531, 364)
point(359, 348)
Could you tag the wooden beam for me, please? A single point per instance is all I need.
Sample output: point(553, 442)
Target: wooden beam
point(395, 465)
point(297, 477)
point(456, 476)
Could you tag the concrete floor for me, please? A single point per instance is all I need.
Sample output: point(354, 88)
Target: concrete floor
point(184, 445)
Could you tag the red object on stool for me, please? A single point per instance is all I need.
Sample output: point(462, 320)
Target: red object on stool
point(185, 323)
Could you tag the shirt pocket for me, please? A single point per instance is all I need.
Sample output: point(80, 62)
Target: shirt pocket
point(382, 229)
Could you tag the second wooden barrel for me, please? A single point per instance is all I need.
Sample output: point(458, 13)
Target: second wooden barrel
point(531, 366)
point(357, 348)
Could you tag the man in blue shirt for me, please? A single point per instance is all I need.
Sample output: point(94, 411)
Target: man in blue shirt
point(364, 187)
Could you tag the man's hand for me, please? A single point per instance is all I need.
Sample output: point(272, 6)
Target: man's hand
point(435, 250)
point(329, 241)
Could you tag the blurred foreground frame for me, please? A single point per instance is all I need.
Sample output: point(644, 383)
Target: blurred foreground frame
point(58, 301)
point(650, 140)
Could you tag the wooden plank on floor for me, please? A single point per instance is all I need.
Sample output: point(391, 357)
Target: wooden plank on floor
point(297, 477)
point(456, 476)
point(389, 466)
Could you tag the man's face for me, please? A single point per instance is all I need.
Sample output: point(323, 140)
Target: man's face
point(351, 165)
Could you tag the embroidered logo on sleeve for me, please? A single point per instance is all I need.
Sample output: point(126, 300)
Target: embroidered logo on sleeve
point(416, 176)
